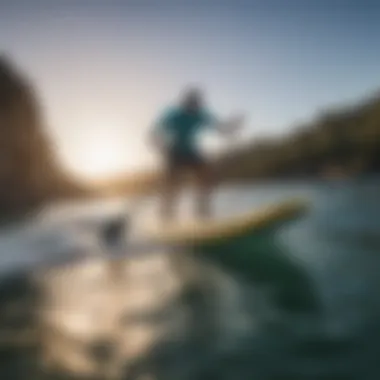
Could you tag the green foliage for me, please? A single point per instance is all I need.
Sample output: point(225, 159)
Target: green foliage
point(343, 142)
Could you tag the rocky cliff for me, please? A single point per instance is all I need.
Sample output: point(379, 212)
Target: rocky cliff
point(29, 170)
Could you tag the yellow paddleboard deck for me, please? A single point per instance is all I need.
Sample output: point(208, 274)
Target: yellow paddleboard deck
point(213, 231)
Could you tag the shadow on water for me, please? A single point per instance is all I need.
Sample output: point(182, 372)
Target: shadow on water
point(263, 260)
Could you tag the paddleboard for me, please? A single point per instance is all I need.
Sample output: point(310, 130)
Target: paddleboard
point(210, 232)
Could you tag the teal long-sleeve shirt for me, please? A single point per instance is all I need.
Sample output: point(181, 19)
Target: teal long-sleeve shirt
point(182, 128)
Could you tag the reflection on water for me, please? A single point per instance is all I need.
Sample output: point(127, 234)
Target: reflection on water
point(175, 315)
point(97, 305)
point(101, 317)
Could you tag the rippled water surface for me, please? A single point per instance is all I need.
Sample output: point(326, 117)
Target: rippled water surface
point(307, 308)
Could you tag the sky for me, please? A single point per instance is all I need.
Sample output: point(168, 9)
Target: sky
point(104, 70)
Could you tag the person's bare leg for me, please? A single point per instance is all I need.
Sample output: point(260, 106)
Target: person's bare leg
point(170, 191)
point(205, 182)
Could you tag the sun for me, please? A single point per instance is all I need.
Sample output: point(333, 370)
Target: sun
point(98, 162)
point(98, 158)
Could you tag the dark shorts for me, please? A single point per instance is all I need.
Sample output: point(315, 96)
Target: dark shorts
point(176, 159)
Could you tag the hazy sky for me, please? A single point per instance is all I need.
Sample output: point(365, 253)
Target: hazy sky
point(104, 69)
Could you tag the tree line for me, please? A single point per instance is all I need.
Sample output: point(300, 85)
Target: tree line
point(343, 141)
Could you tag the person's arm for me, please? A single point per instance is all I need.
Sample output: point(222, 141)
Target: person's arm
point(225, 127)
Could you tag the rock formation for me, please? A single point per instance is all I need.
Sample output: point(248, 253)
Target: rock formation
point(29, 170)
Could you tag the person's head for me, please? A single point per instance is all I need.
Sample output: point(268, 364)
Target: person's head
point(192, 99)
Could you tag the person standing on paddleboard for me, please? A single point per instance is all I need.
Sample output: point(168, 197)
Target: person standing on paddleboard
point(174, 135)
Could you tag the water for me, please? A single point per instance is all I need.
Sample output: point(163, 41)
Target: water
point(71, 308)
